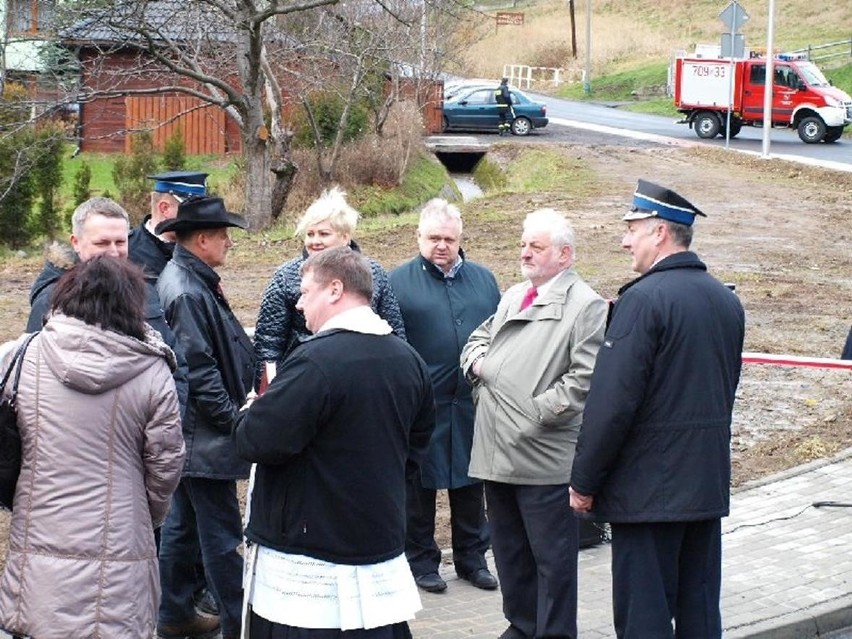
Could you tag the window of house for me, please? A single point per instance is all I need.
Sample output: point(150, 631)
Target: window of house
point(30, 16)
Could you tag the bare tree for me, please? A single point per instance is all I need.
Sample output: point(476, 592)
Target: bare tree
point(222, 52)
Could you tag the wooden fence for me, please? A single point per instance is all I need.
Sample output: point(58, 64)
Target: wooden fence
point(816, 52)
point(202, 125)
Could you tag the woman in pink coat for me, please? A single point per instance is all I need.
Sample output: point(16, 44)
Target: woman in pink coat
point(102, 453)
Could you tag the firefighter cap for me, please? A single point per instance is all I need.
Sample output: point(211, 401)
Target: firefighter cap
point(181, 184)
point(653, 200)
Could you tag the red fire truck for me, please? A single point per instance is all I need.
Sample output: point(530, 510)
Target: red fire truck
point(802, 98)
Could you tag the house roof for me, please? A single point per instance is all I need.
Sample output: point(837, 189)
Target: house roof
point(164, 20)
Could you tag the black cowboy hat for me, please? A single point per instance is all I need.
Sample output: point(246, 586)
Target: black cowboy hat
point(201, 213)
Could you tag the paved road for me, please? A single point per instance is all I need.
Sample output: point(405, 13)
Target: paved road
point(784, 142)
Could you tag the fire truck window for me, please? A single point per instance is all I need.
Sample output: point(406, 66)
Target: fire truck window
point(758, 74)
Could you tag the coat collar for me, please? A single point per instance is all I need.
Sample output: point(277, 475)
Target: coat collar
point(207, 275)
point(682, 259)
point(434, 271)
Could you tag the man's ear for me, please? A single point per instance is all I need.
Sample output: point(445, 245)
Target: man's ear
point(335, 289)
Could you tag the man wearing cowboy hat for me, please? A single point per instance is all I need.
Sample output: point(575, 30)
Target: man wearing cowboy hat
point(153, 250)
point(205, 509)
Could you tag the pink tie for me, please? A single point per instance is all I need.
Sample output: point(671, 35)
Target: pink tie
point(529, 297)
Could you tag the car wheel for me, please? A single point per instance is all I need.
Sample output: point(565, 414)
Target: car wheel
point(521, 126)
point(706, 125)
point(832, 134)
point(811, 129)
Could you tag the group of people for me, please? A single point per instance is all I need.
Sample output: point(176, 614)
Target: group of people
point(363, 394)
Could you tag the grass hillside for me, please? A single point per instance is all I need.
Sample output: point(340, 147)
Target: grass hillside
point(633, 40)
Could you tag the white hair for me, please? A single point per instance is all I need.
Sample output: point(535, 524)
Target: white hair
point(439, 210)
point(555, 224)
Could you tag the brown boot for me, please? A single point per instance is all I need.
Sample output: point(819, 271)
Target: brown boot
point(201, 627)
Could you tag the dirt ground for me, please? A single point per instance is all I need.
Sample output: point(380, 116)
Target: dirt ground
point(780, 232)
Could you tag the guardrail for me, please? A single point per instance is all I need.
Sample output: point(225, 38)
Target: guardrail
point(523, 76)
point(839, 49)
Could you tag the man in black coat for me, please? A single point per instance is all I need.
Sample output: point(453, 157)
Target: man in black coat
point(220, 356)
point(345, 421)
point(100, 226)
point(653, 456)
point(443, 297)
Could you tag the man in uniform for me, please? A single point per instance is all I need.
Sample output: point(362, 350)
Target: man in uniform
point(504, 105)
point(147, 248)
point(654, 457)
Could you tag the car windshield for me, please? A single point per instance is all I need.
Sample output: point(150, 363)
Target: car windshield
point(812, 75)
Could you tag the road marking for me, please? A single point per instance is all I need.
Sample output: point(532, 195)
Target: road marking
point(664, 139)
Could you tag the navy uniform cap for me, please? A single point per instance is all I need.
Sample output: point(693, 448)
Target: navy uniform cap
point(653, 200)
point(180, 183)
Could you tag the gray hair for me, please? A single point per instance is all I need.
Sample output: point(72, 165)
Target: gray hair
point(331, 205)
point(555, 224)
point(96, 206)
point(341, 263)
point(439, 210)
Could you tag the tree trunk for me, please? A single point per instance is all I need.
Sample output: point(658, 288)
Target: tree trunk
point(258, 179)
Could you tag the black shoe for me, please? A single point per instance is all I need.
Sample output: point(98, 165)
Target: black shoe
point(431, 582)
point(512, 633)
point(199, 628)
point(206, 603)
point(481, 579)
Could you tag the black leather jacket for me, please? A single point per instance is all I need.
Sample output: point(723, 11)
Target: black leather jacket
point(221, 364)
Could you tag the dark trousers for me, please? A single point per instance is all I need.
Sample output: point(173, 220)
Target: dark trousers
point(535, 541)
point(667, 572)
point(467, 521)
point(264, 629)
point(204, 512)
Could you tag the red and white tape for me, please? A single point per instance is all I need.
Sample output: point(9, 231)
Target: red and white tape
point(795, 360)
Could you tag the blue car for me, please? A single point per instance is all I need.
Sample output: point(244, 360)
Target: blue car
point(476, 109)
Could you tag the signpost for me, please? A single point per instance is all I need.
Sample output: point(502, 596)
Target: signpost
point(733, 16)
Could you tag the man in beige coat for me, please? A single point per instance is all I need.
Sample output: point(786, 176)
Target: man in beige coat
point(530, 365)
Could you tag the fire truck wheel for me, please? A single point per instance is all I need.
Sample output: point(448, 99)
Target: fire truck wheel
point(706, 125)
point(832, 134)
point(811, 129)
point(736, 127)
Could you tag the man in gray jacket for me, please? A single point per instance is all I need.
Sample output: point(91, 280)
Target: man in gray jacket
point(531, 364)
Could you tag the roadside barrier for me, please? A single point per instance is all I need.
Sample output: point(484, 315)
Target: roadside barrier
point(795, 360)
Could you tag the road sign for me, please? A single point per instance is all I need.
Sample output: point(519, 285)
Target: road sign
point(510, 18)
point(734, 16)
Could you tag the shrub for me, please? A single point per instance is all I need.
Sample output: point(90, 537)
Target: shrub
point(174, 151)
point(82, 188)
point(47, 149)
point(130, 175)
point(326, 109)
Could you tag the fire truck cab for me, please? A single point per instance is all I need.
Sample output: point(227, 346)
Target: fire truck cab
point(707, 89)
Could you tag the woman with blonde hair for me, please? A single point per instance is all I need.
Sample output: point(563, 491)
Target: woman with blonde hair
point(327, 223)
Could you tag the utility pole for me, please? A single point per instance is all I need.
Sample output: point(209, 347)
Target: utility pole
point(587, 76)
point(767, 95)
point(573, 29)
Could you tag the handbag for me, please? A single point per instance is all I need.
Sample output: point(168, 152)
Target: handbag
point(10, 436)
